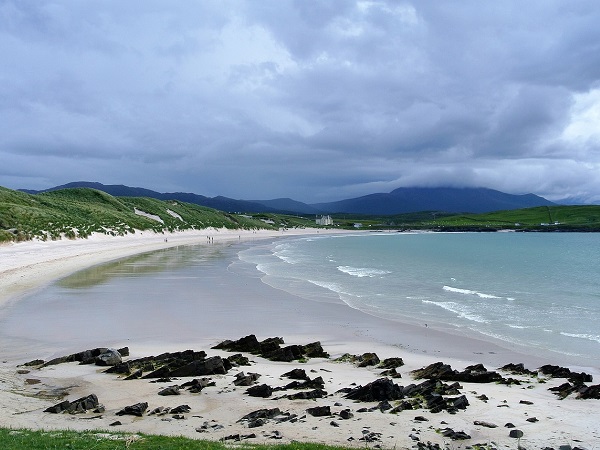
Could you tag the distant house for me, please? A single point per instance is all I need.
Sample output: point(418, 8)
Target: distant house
point(324, 220)
point(358, 225)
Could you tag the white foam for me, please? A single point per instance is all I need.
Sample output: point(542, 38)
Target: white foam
point(459, 310)
point(362, 271)
point(469, 292)
point(590, 337)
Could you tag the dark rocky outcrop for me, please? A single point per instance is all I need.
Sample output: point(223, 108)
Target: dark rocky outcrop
point(109, 358)
point(472, 374)
point(296, 374)
point(391, 363)
point(307, 395)
point(262, 390)
point(171, 390)
point(261, 414)
point(381, 389)
point(319, 411)
point(518, 369)
point(241, 379)
point(583, 392)
point(214, 365)
point(159, 366)
point(564, 372)
point(271, 348)
point(196, 385)
point(364, 360)
point(134, 410)
point(85, 357)
point(80, 405)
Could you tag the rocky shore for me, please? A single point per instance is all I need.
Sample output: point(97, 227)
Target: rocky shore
point(266, 390)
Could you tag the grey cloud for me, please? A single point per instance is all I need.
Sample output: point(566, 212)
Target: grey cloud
point(313, 100)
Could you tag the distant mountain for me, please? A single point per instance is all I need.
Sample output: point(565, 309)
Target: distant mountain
point(287, 204)
point(399, 201)
point(452, 200)
point(119, 190)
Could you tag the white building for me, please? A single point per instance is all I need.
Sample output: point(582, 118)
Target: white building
point(324, 220)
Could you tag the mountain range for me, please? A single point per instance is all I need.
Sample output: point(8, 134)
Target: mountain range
point(399, 201)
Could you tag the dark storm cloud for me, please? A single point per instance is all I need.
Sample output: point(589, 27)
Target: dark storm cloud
point(312, 100)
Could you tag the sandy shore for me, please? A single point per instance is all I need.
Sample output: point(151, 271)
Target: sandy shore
point(215, 411)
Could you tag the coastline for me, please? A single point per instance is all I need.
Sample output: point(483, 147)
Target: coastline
point(340, 330)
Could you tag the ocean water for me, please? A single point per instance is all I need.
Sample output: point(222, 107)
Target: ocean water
point(537, 293)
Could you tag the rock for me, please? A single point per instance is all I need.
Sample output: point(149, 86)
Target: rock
point(296, 374)
point(238, 360)
point(517, 369)
point(333, 423)
point(115, 423)
point(369, 436)
point(285, 354)
point(134, 410)
point(589, 392)
point(135, 375)
point(316, 383)
point(319, 411)
point(80, 405)
point(209, 366)
point(248, 344)
point(171, 390)
point(307, 395)
point(261, 390)
point(196, 385)
point(532, 419)
point(346, 414)
point(391, 363)
point(109, 358)
point(485, 424)
point(509, 425)
point(368, 359)
point(514, 433)
point(314, 350)
point(241, 379)
point(564, 390)
point(384, 406)
point(239, 437)
point(378, 390)
point(402, 406)
point(261, 414)
point(472, 374)
point(392, 373)
point(160, 366)
point(525, 402)
point(455, 435)
point(563, 372)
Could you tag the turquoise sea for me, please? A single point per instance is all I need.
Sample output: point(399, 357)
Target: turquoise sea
point(537, 293)
point(534, 293)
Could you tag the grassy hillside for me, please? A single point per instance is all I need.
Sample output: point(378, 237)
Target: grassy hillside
point(79, 212)
point(543, 218)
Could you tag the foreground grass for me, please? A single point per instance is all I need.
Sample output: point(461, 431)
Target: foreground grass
point(97, 440)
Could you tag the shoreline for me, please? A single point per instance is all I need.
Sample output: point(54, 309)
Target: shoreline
point(347, 331)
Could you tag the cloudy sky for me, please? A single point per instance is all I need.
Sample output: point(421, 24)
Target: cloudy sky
point(309, 99)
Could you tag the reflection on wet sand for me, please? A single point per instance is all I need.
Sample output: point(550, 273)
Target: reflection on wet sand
point(143, 264)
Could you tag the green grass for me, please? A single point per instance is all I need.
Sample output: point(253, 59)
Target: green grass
point(99, 440)
point(76, 213)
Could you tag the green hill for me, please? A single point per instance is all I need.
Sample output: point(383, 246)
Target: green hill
point(79, 212)
point(542, 218)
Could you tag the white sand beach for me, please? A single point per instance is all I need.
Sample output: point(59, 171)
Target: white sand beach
point(25, 392)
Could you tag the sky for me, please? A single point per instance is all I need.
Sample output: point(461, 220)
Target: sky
point(317, 100)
